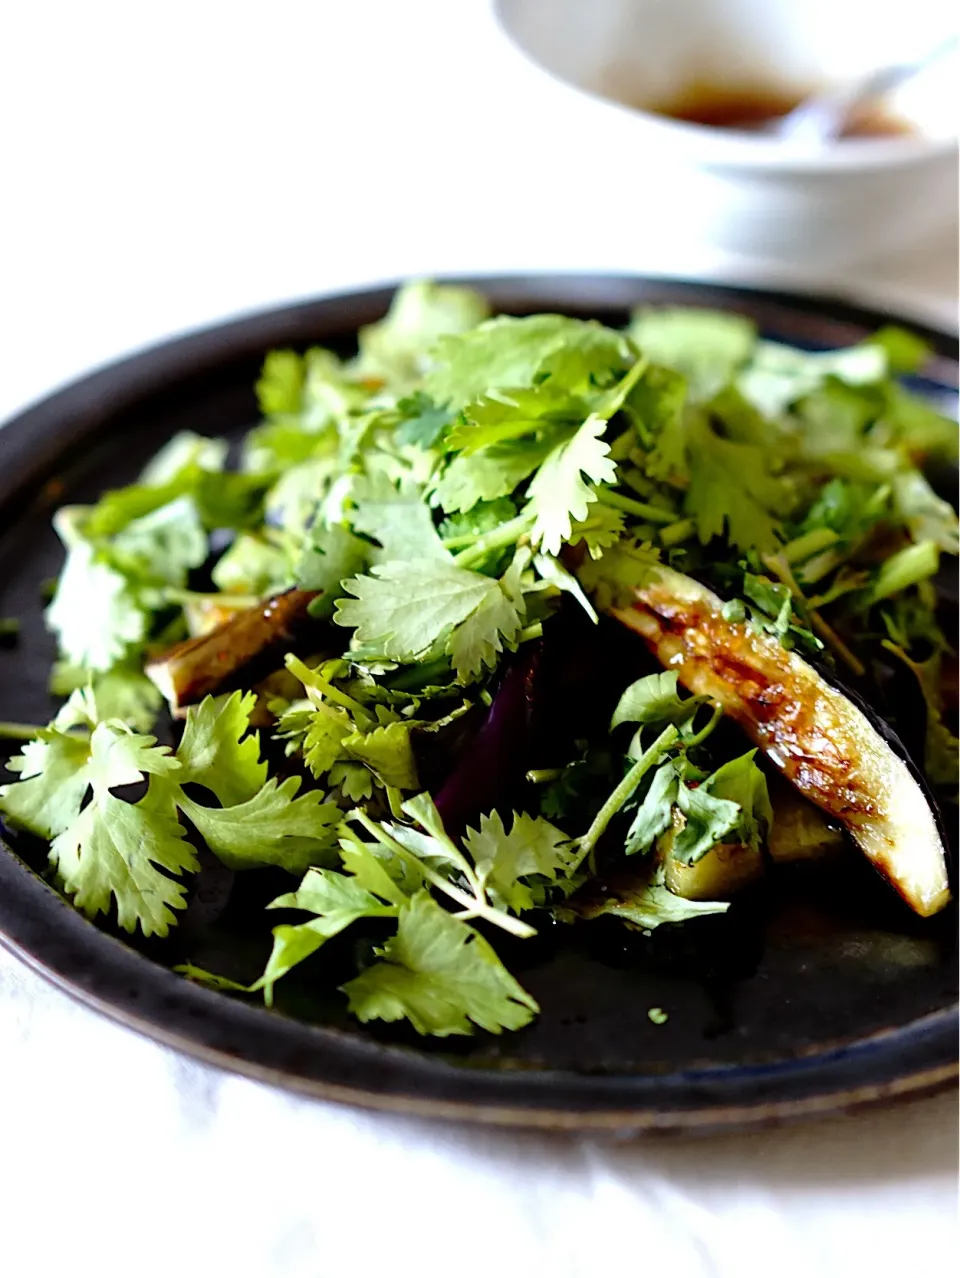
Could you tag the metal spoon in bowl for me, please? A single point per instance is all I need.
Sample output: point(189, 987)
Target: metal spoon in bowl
point(823, 117)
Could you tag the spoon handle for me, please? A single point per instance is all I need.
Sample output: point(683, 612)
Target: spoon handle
point(823, 117)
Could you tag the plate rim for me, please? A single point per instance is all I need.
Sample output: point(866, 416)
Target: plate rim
point(181, 1013)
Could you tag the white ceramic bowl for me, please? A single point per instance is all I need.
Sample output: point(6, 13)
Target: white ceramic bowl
point(746, 193)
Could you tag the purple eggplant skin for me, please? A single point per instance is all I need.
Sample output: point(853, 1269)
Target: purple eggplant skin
point(948, 834)
point(490, 772)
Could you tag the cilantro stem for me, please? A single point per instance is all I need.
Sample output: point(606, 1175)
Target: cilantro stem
point(808, 545)
point(675, 533)
point(621, 794)
point(533, 631)
point(420, 675)
point(478, 907)
point(395, 799)
point(311, 679)
point(906, 568)
point(653, 514)
point(19, 731)
point(497, 538)
point(781, 570)
point(542, 776)
point(701, 736)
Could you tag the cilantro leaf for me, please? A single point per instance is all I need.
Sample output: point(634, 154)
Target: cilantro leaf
point(280, 385)
point(441, 975)
point(337, 900)
point(655, 698)
point(53, 781)
point(905, 352)
point(218, 751)
point(332, 556)
point(533, 849)
point(388, 752)
point(182, 454)
point(601, 529)
point(941, 754)
point(558, 494)
point(779, 375)
point(162, 546)
point(119, 850)
point(274, 827)
point(493, 473)
point(773, 600)
point(122, 692)
point(252, 565)
point(655, 813)
point(707, 818)
point(506, 352)
point(653, 904)
point(109, 849)
point(404, 608)
point(478, 640)
point(742, 782)
point(927, 516)
point(319, 730)
point(505, 415)
point(656, 407)
point(706, 347)
point(422, 422)
point(731, 489)
point(421, 312)
point(94, 615)
point(397, 517)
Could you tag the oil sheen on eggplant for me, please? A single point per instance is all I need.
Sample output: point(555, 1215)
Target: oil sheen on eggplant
point(833, 750)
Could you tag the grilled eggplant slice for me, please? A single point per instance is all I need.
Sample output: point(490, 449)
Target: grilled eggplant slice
point(247, 646)
point(828, 745)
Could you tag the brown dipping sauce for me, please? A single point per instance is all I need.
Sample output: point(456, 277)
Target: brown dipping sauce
point(746, 109)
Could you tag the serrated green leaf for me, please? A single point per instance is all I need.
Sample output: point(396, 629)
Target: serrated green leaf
point(397, 517)
point(706, 347)
point(396, 347)
point(280, 385)
point(388, 753)
point(491, 474)
point(441, 975)
point(558, 494)
point(655, 812)
point(275, 827)
point(732, 491)
point(509, 353)
point(532, 848)
point(94, 615)
point(332, 555)
point(656, 698)
point(743, 783)
point(337, 900)
point(253, 566)
point(707, 819)
point(218, 750)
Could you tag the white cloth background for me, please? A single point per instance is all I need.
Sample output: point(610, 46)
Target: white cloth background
point(162, 166)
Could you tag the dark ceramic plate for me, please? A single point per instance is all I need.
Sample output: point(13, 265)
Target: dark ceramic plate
point(796, 1003)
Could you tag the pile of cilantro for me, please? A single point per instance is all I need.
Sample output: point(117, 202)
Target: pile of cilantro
point(445, 492)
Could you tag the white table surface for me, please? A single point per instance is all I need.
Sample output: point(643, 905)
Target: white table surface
point(168, 165)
